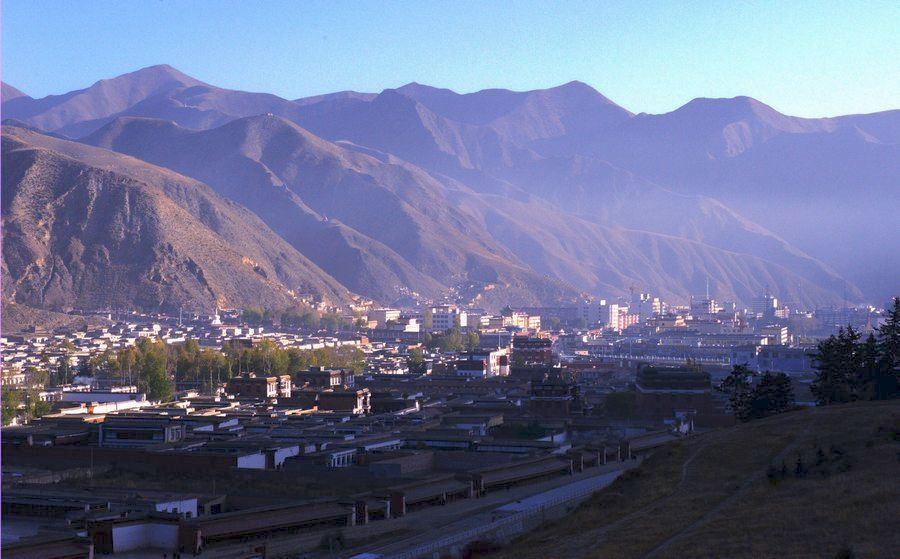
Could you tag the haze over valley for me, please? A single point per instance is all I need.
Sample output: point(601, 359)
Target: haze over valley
point(191, 194)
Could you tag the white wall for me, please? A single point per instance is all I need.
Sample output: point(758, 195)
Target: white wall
point(283, 453)
point(146, 535)
point(252, 461)
point(184, 506)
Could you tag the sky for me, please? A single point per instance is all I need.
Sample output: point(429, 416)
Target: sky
point(806, 58)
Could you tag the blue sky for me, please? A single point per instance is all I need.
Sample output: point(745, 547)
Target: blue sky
point(817, 58)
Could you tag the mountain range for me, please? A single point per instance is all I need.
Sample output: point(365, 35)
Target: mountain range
point(185, 193)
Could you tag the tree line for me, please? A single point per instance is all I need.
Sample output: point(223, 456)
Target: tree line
point(848, 369)
point(299, 316)
point(772, 393)
point(156, 367)
point(452, 340)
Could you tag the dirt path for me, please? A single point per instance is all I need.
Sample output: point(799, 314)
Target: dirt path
point(575, 549)
point(742, 489)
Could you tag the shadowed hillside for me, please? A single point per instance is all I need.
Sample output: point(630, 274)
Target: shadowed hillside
point(723, 494)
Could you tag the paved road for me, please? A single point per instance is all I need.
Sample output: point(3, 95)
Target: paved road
point(418, 527)
point(440, 522)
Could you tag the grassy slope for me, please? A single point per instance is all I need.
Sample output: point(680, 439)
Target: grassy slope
point(710, 496)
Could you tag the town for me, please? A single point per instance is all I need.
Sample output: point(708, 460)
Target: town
point(395, 432)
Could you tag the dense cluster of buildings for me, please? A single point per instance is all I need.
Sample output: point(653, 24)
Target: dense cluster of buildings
point(384, 445)
point(520, 404)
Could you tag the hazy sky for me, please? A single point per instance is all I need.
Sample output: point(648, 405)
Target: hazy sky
point(815, 58)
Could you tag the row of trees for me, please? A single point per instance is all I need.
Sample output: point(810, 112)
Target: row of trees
point(452, 340)
point(848, 369)
point(298, 316)
point(154, 367)
point(772, 393)
point(11, 403)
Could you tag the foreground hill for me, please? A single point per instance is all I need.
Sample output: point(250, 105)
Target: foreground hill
point(85, 227)
point(712, 496)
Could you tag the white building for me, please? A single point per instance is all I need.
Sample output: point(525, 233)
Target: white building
point(446, 317)
point(383, 315)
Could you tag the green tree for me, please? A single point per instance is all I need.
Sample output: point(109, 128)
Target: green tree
point(472, 341)
point(887, 374)
point(428, 320)
point(127, 362)
point(889, 337)
point(34, 406)
point(152, 377)
point(187, 363)
point(416, 361)
point(837, 362)
point(737, 386)
point(213, 369)
point(11, 399)
point(773, 394)
point(451, 340)
point(253, 315)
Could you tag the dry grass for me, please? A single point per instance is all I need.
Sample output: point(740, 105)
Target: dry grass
point(711, 496)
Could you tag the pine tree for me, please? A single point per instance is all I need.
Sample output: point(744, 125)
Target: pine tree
point(773, 394)
point(869, 372)
point(783, 393)
point(837, 363)
point(889, 337)
point(851, 359)
point(737, 386)
point(887, 377)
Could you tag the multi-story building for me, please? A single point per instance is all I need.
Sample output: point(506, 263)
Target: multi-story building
point(251, 386)
point(777, 335)
point(326, 378)
point(598, 311)
point(528, 350)
point(495, 360)
point(626, 319)
point(445, 317)
point(383, 316)
point(664, 392)
point(523, 321)
point(704, 308)
point(764, 306)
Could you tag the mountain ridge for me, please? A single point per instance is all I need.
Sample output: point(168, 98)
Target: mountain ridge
point(89, 228)
point(561, 151)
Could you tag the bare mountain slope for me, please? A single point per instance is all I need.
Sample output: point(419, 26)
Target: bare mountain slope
point(374, 177)
point(449, 231)
point(9, 93)
point(84, 227)
point(157, 91)
point(393, 219)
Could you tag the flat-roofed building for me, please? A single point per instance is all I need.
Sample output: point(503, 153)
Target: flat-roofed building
point(326, 378)
point(250, 385)
point(384, 315)
point(663, 392)
point(527, 350)
point(138, 432)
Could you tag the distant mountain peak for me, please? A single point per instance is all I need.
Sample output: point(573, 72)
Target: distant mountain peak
point(159, 72)
point(741, 106)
